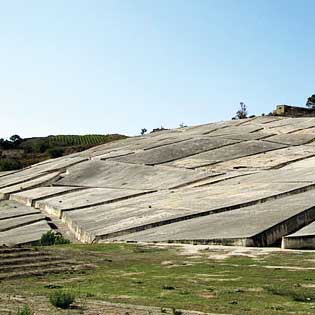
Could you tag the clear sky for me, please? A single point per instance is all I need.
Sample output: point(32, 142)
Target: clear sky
point(107, 66)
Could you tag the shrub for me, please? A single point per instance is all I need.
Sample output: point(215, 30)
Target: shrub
point(53, 238)
point(59, 239)
point(55, 152)
point(9, 165)
point(26, 310)
point(62, 299)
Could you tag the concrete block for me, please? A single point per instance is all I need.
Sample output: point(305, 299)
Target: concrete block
point(259, 225)
point(32, 183)
point(176, 151)
point(111, 174)
point(29, 197)
point(23, 235)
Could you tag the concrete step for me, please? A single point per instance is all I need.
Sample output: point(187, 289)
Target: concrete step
point(9, 250)
point(11, 224)
point(259, 225)
point(37, 272)
point(301, 239)
point(24, 260)
point(23, 254)
point(37, 265)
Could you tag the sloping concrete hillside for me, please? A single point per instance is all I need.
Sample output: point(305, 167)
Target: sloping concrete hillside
point(244, 182)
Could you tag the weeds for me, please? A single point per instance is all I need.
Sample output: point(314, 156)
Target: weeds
point(26, 310)
point(62, 299)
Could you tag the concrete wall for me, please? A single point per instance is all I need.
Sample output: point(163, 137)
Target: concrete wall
point(293, 111)
point(301, 242)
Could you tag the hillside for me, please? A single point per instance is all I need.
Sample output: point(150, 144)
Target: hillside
point(19, 153)
point(246, 182)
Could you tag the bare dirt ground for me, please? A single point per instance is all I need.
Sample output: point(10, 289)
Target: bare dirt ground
point(220, 252)
point(42, 307)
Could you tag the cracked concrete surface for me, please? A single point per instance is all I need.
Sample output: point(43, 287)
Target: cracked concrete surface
point(248, 182)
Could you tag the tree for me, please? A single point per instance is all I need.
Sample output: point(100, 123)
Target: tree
point(310, 102)
point(242, 112)
point(143, 131)
point(16, 139)
point(158, 129)
point(6, 144)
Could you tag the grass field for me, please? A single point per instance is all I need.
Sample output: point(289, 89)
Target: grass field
point(214, 280)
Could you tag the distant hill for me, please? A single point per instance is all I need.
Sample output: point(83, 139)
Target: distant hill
point(18, 153)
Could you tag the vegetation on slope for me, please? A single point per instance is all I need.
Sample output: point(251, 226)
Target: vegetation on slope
point(16, 152)
point(269, 283)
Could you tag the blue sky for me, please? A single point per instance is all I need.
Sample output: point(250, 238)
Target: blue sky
point(107, 66)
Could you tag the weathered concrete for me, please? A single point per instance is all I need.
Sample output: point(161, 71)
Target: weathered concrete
point(112, 154)
point(29, 197)
point(165, 207)
point(292, 138)
point(88, 197)
point(58, 163)
point(230, 152)
point(24, 235)
point(6, 173)
point(246, 182)
point(38, 170)
point(291, 125)
point(267, 160)
point(231, 130)
point(10, 224)
point(258, 135)
point(303, 238)
point(259, 225)
point(131, 176)
point(12, 209)
point(38, 181)
point(18, 177)
point(222, 177)
point(176, 151)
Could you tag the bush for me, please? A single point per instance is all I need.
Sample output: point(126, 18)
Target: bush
point(53, 238)
point(55, 152)
point(9, 165)
point(61, 299)
point(26, 310)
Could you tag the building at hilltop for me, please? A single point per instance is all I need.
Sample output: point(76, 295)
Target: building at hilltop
point(293, 111)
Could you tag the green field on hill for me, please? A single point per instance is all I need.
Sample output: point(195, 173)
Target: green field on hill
point(24, 152)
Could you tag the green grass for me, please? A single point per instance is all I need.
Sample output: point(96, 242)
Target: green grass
point(161, 277)
point(26, 310)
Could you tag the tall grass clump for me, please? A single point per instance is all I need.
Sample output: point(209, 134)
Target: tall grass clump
point(62, 299)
